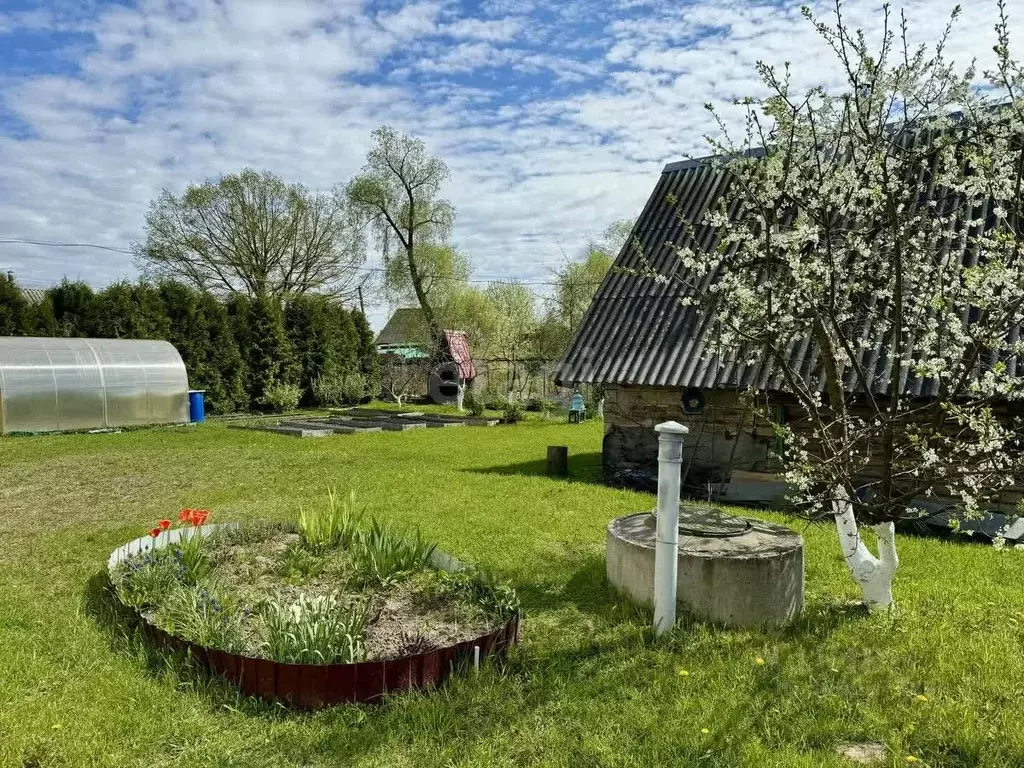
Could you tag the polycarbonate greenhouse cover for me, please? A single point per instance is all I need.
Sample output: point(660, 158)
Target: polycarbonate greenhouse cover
point(50, 384)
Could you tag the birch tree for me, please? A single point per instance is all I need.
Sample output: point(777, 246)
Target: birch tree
point(868, 251)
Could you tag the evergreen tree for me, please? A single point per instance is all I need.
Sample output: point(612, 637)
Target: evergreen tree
point(368, 357)
point(130, 311)
point(200, 331)
point(259, 330)
point(14, 309)
point(73, 309)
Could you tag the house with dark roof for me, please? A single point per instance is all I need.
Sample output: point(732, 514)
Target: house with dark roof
point(405, 334)
point(652, 354)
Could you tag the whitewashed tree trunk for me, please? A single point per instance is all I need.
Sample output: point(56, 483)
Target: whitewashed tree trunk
point(873, 574)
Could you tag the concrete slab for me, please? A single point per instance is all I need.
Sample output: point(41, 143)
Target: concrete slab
point(339, 429)
point(299, 432)
point(385, 424)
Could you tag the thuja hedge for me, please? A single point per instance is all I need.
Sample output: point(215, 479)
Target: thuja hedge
point(245, 352)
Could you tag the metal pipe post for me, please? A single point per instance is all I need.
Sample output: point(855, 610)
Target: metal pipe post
point(666, 546)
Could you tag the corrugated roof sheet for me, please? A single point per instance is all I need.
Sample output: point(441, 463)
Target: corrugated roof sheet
point(636, 331)
point(406, 327)
point(34, 295)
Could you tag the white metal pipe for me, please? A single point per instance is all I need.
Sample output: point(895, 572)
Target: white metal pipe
point(666, 545)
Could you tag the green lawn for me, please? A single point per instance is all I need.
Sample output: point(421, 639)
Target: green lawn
point(588, 686)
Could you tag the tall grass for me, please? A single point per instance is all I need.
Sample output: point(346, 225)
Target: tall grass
point(335, 525)
point(319, 630)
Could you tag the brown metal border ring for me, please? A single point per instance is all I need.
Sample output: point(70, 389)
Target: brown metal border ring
point(316, 686)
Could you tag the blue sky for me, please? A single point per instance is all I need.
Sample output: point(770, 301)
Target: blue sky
point(555, 118)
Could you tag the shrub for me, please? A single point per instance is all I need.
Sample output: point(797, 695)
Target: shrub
point(474, 405)
point(369, 359)
point(512, 412)
point(331, 526)
point(332, 389)
point(278, 398)
point(201, 332)
point(15, 312)
point(315, 631)
point(328, 390)
point(259, 330)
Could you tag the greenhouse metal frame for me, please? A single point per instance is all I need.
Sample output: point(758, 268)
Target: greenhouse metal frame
point(59, 384)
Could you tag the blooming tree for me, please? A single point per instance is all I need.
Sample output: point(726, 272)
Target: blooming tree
point(870, 248)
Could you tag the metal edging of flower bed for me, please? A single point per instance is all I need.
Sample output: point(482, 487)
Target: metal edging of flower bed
point(315, 686)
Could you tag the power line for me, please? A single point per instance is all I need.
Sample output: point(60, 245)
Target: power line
point(377, 270)
point(23, 241)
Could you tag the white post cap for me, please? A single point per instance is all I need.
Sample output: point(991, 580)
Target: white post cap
point(672, 428)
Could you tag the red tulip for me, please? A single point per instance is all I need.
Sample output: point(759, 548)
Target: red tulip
point(199, 516)
point(155, 532)
point(185, 515)
point(165, 524)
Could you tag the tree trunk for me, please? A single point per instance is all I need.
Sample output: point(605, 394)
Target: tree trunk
point(873, 574)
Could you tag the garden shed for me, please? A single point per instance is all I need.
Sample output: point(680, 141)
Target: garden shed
point(58, 384)
point(651, 354)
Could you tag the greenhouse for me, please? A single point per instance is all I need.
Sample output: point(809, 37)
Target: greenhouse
point(57, 384)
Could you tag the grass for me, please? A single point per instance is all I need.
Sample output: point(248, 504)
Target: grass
point(588, 687)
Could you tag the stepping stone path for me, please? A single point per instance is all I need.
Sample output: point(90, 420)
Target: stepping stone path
point(355, 420)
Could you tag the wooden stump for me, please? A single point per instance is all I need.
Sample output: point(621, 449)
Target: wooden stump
point(558, 460)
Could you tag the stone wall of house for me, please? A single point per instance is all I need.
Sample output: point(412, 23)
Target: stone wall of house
point(726, 442)
point(724, 434)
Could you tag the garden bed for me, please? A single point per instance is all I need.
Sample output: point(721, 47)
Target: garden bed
point(313, 614)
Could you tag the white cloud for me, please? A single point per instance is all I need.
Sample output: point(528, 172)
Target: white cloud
point(492, 30)
point(554, 123)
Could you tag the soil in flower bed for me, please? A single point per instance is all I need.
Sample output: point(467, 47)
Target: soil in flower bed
point(272, 591)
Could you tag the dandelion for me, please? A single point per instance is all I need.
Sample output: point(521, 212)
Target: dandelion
point(684, 673)
point(921, 697)
point(705, 731)
point(910, 759)
point(759, 661)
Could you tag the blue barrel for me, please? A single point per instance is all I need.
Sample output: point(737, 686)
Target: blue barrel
point(197, 404)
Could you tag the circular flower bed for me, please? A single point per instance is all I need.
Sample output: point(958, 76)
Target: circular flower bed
point(325, 611)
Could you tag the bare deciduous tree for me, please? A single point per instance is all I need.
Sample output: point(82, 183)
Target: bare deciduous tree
point(253, 233)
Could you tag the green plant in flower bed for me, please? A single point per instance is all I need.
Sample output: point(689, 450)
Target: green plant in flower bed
point(300, 564)
point(330, 526)
point(200, 615)
point(382, 556)
point(320, 630)
point(325, 590)
point(480, 590)
point(144, 580)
